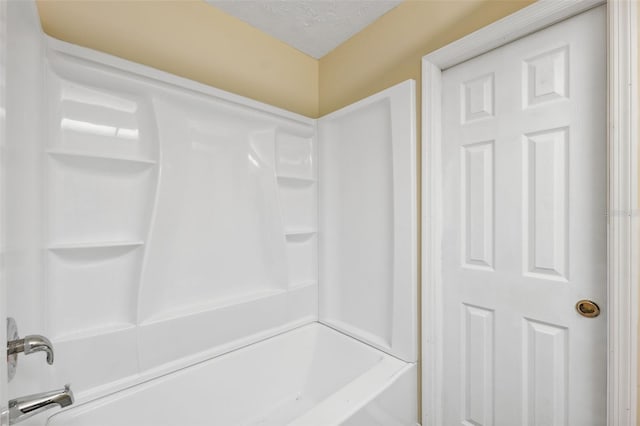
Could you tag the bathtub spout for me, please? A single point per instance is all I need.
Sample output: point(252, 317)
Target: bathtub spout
point(27, 406)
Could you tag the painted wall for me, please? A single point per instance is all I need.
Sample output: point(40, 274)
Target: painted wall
point(194, 40)
point(191, 39)
point(390, 50)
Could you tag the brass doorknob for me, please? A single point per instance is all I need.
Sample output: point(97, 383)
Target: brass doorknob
point(588, 308)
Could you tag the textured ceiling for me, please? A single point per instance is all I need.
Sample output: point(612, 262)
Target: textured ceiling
point(314, 27)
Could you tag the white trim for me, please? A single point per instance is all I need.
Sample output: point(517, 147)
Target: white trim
point(623, 190)
point(4, 416)
point(622, 290)
point(520, 24)
point(432, 384)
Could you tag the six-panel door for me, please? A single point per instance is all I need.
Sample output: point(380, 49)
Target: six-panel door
point(524, 236)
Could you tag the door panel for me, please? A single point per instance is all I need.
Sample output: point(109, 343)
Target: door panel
point(524, 234)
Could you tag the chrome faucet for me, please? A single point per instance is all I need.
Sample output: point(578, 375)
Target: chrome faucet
point(31, 344)
point(27, 406)
point(28, 345)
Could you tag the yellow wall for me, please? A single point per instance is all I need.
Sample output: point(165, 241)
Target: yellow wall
point(390, 50)
point(194, 40)
point(191, 39)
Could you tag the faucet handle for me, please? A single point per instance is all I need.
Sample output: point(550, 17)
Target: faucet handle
point(31, 344)
point(28, 345)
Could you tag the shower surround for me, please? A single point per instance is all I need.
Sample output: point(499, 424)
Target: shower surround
point(171, 238)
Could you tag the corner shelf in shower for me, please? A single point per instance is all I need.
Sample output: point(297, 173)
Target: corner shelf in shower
point(74, 155)
point(298, 198)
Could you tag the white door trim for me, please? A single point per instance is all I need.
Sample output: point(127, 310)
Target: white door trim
point(623, 250)
point(622, 291)
point(4, 420)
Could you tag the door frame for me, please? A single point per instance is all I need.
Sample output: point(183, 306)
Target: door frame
point(4, 420)
point(622, 195)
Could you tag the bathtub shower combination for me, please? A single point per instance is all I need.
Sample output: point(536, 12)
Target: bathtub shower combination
point(198, 258)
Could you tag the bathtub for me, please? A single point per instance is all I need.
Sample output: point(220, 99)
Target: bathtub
point(312, 375)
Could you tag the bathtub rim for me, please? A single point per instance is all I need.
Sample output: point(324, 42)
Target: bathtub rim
point(388, 370)
point(176, 366)
point(111, 389)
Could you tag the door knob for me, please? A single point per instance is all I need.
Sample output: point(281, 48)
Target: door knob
point(588, 308)
point(27, 345)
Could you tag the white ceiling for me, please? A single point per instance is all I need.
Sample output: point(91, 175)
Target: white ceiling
point(314, 27)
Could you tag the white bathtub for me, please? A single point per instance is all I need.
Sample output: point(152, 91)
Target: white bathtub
point(312, 375)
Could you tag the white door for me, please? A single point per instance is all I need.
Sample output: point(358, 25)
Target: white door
point(524, 235)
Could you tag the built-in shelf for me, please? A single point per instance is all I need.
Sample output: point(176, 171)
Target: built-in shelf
point(95, 245)
point(295, 180)
point(80, 155)
point(293, 232)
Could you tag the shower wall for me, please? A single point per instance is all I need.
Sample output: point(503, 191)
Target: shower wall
point(368, 257)
point(165, 221)
point(153, 222)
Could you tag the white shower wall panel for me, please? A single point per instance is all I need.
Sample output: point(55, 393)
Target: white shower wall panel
point(357, 222)
point(167, 210)
point(157, 223)
point(212, 332)
point(82, 194)
point(126, 126)
point(103, 277)
point(217, 203)
point(368, 225)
